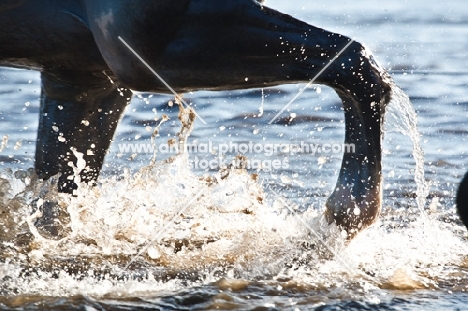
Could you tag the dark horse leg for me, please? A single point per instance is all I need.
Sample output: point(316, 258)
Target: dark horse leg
point(79, 114)
point(221, 45)
point(78, 111)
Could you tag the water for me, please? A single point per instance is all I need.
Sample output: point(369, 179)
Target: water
point(232, 242)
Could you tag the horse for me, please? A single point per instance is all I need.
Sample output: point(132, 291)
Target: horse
point(88, 75)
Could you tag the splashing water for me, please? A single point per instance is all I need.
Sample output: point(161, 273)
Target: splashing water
point(402, 116)
point(209, 223)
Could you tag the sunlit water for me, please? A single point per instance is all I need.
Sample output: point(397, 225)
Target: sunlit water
point(158, 234)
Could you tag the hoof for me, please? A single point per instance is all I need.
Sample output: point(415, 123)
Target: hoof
point(52, 220)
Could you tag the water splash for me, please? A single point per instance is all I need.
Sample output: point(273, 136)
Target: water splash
point(164, 218)
point(403, 119)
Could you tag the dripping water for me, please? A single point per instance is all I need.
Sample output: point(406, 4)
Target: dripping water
point(401, 115)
